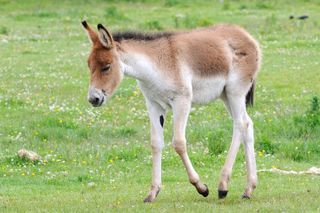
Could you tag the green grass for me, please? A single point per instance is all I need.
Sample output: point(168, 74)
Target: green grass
point(99, 159)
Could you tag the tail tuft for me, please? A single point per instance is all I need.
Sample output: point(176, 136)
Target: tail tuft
point(250, 95)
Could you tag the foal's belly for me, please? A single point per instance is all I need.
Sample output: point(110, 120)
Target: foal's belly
point(206, 90)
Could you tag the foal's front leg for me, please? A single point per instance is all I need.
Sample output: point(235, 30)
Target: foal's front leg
point(181, 108)
point(156, 115)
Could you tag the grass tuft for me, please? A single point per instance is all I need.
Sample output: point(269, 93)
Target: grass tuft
point(4, 30)
point(309, 122)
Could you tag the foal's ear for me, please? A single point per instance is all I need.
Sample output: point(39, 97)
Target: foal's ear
point(91, 33)
point(105, 37)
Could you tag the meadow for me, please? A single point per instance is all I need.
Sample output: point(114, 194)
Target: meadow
point(99, 159)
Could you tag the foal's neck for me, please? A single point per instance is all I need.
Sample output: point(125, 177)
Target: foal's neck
point(136, 58)
point(139, 52)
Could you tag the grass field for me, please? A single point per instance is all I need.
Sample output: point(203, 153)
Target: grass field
point(97, 160)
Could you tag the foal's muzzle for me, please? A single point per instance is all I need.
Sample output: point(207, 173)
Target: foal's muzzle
point(96, 102)
point(96, 97)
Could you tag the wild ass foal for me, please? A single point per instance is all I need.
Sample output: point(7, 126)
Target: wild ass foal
point(175, 70)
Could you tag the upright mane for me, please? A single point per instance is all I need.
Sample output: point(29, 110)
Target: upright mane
point(140, 36)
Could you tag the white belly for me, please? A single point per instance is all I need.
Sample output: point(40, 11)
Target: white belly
point(207, 89)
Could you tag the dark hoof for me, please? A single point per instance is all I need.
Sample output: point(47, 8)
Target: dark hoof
point(245, 196)
point(204, 193)
point(148, 199)
point(222, 194)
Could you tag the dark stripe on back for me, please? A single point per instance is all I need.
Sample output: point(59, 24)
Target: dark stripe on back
point(138, 36)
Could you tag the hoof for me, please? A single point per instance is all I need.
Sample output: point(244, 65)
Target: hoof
point(151, 197)
point(245, 196)
point(222, 194)
point(205, 193)
point(148, 199)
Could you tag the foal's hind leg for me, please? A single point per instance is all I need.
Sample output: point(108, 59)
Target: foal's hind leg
point(248, 141)
point(232, 153)
point(242, 131)
point(181, 109)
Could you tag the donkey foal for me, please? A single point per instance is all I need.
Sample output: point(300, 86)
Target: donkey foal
point(175, 70)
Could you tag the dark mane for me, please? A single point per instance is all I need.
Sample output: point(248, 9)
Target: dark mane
point(138, 36)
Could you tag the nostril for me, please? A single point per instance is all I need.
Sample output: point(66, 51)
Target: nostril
point(94, 100)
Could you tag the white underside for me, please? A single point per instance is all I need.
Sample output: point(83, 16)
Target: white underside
point(202, 90)
point(207, 90)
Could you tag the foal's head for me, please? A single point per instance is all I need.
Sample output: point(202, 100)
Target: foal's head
point(104, 66)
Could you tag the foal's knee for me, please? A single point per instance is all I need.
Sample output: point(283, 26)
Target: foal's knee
point(245, 126)
point(156, 145)
point(179, 145)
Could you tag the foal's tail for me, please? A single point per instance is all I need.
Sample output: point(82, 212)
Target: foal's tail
point(250, 95)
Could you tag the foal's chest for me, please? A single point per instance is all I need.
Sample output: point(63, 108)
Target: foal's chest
point(159, 93)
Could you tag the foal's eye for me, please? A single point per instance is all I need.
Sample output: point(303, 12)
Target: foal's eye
point(106, 68)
